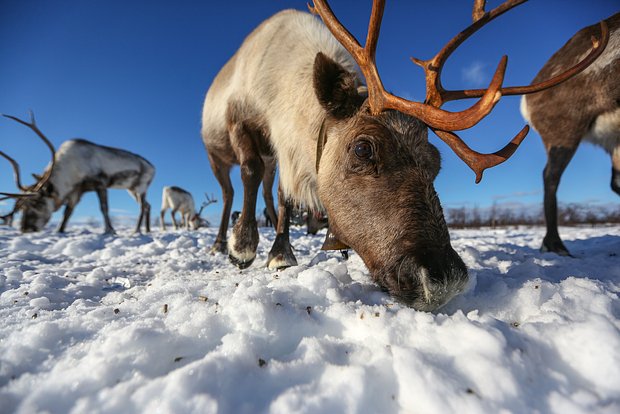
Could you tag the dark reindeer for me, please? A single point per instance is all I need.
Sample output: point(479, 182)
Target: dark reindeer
point(77, 167)
point(292, 93)
point(586, 107)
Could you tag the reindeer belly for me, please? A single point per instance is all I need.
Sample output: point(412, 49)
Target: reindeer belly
point(124, 179)
point(605, 131)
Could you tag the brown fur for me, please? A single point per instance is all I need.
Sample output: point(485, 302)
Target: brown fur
point(566, 114)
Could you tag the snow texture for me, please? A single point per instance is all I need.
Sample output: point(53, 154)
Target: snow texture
point(94, 323)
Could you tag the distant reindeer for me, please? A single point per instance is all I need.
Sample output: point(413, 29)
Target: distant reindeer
point(77, 167)
point(179, 200)
point(292, 93)
point(586, 107)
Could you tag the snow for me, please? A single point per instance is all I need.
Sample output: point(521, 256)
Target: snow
point(94, 323)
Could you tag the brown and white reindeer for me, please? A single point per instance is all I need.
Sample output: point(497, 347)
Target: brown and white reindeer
point(179, 200)
point(77, 167)
point(292, 93)
point(586, 107)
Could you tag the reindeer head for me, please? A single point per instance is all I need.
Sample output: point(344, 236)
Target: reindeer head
point(37, 201)
point(376, 167)
point(196, 221)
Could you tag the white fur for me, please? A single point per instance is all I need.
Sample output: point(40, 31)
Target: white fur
point(243, 256)
point(605, 131)
point(275, 76)
point(77, 160)
point(182, 202)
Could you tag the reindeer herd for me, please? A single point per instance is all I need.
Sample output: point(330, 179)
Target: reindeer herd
point(292, 98)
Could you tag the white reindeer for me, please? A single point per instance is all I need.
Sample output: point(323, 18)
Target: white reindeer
point(179, 200)
point(77, 167)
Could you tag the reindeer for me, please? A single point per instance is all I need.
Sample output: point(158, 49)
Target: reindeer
point(178, 199)
point(292, 93)
point(587, 107)
point(77, 167)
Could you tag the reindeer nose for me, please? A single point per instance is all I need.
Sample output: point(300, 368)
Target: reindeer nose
point(428, 279)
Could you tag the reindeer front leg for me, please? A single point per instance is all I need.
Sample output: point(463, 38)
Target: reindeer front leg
point(244, 239)
point(281, 254)
point(270, 174)
point(173, 214)
point(72, 200)
point(102, 194)
point(161, 219)
point(222, 174)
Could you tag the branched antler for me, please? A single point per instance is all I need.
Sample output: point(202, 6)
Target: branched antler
point(443, 123)
point(48, 173)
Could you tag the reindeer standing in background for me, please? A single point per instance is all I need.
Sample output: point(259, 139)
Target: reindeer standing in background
point(77, 167)
point(178, 199)
point(586, 107)
point(292, 93)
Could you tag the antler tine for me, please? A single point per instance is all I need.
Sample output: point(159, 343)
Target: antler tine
point(598, 46)
point(476, 161)
point(33, 125)
point(478, 10)
point(18, 196)
point(435, 93)
point(210, 200)
point(379, 99)
point(15, 171)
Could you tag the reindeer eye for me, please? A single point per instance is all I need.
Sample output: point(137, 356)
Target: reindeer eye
point(363, 150)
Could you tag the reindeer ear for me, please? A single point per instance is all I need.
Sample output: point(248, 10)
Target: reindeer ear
point(336, 88)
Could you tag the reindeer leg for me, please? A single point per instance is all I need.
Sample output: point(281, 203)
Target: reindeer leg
point(281, 254)
point(222, 174)
point(161, 219)
point(244, 238)
point(557, 160)
point(65, 218)
point(174, 220)
point(102, 193)
point(72, 201)
point(147, 213)
point(268, 179)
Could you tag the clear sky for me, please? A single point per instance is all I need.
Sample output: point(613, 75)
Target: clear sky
point(133, 74)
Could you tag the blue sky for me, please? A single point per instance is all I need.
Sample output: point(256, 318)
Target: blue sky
point(133, 74)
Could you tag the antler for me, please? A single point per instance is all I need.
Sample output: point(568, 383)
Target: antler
point(436, 95)
point(380, 100)
point(440, 121)
point(15, 166)
point(48, 173)
point(210, 200)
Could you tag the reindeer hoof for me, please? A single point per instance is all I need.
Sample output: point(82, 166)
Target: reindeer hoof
point(281, 255)
point(556, 247)
point(241, 264)
point(281, 261)
point(218, 247)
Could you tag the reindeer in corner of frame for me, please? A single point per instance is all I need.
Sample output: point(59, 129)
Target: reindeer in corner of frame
point(76, 167)
point(584, 108)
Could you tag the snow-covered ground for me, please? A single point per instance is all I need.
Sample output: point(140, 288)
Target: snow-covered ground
point(151, 323)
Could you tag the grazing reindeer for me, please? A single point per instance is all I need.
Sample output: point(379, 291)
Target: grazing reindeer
point(77, 167)
point(587, 107)
point(178, 199)
point(291, 92)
